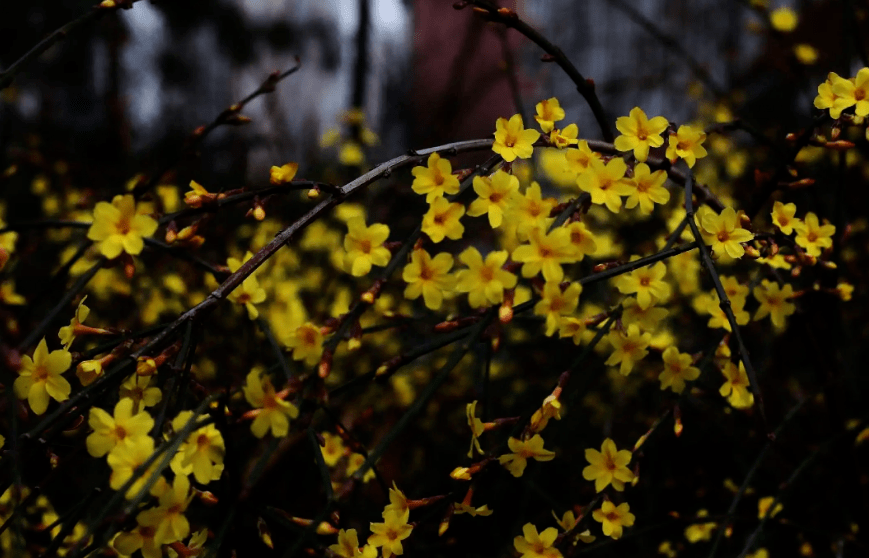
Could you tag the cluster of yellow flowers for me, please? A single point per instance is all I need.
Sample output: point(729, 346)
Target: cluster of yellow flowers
point(538, 243)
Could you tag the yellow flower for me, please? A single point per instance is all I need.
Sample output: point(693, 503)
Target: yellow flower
point(429, 277)
point(686, 143)
point(273, 411)
point(579, 159)
point(606, 183)
point(724, 233)
point(628, 348)
point(575, 328)
point(608, 466)
point(201, 453)
point(735, 388)
point(545, 252)
point(563, 138)
point(666, 548)
point(389, 534)
point(700, 531)
point(531, 211)
point(118, 228)
point(333, 449)
point(124, 459)
point(647, 319)
point(648, 189)
point(551, 409)
point(763, 506)
point(852, 93)
point(548, 113)
point(351, 154)
point(709, 304)
point(567, 522)
point(648, 283)
point(783, 216)
point(364, 246)
point(40, 377)
point(198, 195)
point(283, 174)
point(534, 545)
point(554, 303)
point(496, 195)
point(806, 53)
point(88, 371)
point(639, 133)
point(484, 281)
point(844, 290)
point(774, 302)
point(348, 546)
point(67, 333)
point(139, 389)
point(397, 501)
point(477, 428)
point(167, 519)
point(812, 236)
point(307, 343)
point(512, 140)
point(436, 179)
point(677, 370)
point(8, 295)
point(140, 538)
point(581, 240)
point(354, 462)
point(826, 98)
point(442, 220)
point(783, 19)
point(522, 451)
point(125, 427)
point(613, 518)
point(249, 292)
point(460, 508)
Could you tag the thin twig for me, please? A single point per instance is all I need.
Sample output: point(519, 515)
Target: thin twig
point(58, 35)
point(731, 511)
point(585, 86)
point(723, 300)
point(672, 44)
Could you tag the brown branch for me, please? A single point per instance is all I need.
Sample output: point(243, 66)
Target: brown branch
point(58, 35)
point(230, 115)
point(672, 44)
point(585, 86)
point(723, 300)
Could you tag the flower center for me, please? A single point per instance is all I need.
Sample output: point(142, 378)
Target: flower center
point(124, 226)
point(40, 374)
point(365, 246)
point(309, 337)
point(120, 432)
point(487, 274)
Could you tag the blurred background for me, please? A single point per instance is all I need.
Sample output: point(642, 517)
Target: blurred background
point(125, 92)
